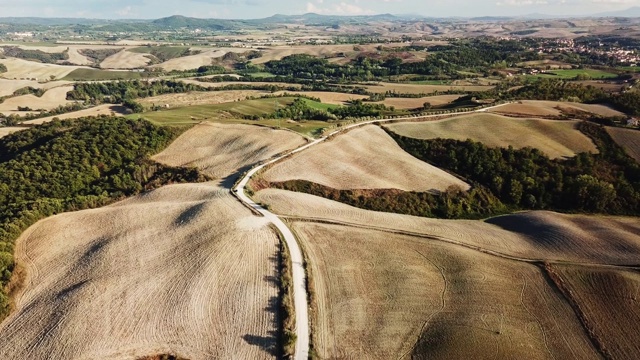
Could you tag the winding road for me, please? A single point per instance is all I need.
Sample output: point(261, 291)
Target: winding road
point(300, 302)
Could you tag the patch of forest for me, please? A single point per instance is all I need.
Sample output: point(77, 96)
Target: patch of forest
point(70, 165)
point(35, 55)
point(505, 180)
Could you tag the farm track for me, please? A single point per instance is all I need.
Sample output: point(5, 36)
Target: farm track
point(298, 273)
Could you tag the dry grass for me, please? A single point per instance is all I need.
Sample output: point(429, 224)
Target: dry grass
point(185, 269)
point(125, 60)
point(19, 69)
point(327, 97)
point(364, 158)
point(200, 98)
point(378, 294)
point(420, 89)
point(8, 87)
point(4, 131)
point(191, 62)
point(51, 99)
point(556, 139)
point(219, 149)
point(532, 235)
point(608, 298)
point(414, 103)
point(627, 138)
point(94, 111)
point(226, 83)
point(324, 51)
point(550, 108)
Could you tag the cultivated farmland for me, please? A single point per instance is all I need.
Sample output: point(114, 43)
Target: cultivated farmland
point(185, 269)
point(364, 158)
point(219, 149)
point(532, 235)
point(29, 70)
point(557, 139)
point(51, 99)
point(627, 138)
point(553, 108)
point(382, 295)
point(125, 60)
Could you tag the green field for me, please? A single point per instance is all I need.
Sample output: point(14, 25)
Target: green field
point(163, 53)
point(97, 75)
point(261, 75)
point(571, 74)
point(232, 113)
point(319, 106)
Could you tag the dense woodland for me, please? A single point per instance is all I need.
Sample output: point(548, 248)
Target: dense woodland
point(71, 165)
point(607, 182)
point(35, 55)
point(505, 180)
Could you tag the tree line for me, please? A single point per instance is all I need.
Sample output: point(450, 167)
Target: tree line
point(69, 165)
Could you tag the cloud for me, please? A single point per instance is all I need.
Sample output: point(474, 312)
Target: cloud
point(342, 8)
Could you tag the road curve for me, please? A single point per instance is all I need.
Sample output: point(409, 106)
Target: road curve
point(300, 302)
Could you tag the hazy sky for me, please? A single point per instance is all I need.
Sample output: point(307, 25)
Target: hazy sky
point(140, 9)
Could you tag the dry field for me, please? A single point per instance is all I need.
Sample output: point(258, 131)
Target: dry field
point(225, 83)
point(328, 51)
point(191, 62)
point(51, 99)
point(22, 69)
point(550, 108)
point(609, 300)
point(8, 87)
point(419, 89)
point(363, 158)
point(627, 138)
point(185, 269)
point(379, 294)
point(4, 131)
point(125, 60)
point(532, 235)
point(200, 98)
point(221, 149)
point(555, 138)
point(333, 98)
point(94, 111)
point(411, 103)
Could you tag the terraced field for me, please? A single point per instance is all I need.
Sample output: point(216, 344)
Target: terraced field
point(364, 158)
point(557, 139)
point(185, 269)
point(627, 138)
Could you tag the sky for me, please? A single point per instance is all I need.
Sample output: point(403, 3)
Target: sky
point(249, 9)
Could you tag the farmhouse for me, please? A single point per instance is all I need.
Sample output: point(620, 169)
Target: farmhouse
point(633, 122)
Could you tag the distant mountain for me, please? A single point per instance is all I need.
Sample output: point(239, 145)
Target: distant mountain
point(631, 12)
point(51, 21)
point(179, 22)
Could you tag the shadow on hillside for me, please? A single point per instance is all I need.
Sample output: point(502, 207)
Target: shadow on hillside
point(272, 343)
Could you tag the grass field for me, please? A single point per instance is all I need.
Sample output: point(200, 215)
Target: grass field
point(99, 75)
point(572, 73)
point(629, 139)
point(185, 269)
point(199, 98)
point(363, 158)
point(51, 99)
point(555, 138)
point(19, 69)
point(105, 109)
point(4, 131)
point(232, 112)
